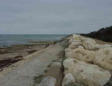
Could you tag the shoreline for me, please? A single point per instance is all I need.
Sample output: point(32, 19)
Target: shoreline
point(14, 53)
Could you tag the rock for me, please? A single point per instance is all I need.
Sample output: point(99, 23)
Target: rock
point(76, 37)
point(48, 81)
point(75, 40)
point(87, 74)
point(68, 79)
point(103, 46)
point(106, 45)
point(55, 70)
point(68, 52)
point(109, 83)
point(104, 58)
point(81, 54)
point(74, 45)
point(81, 47)
point(70, 40)
point(84, 55)
point(89, 43)
point(74, 84)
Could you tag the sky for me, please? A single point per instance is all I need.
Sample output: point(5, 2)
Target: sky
point(54, 16)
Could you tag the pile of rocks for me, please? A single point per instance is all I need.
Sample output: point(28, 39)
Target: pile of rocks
point(87, 63)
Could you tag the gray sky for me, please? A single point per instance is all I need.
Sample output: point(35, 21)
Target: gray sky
point(54, 16)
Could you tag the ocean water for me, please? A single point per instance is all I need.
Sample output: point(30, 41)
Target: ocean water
point(8, 40)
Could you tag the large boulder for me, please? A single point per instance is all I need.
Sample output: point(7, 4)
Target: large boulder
point(68, 78)
point(55, 70)
point(81, 54)
point(86, 74)
point(68, 52)
point(99, 46)
point(77, 37)
point(48, 81)
point(74, 45)
point(89, 43)
point(104, 58)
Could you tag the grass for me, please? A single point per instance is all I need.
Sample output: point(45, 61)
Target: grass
point(37, 80)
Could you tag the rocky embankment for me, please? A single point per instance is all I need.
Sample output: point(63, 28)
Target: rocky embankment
point(87, 63)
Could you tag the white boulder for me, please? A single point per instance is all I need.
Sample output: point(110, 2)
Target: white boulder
point(68, 52)
point(87, 74)
point(99, 46)
point(68, 79)
point(76, 37)
point(89, 43)
point(81, 54)
point(104, 58)
point(48, 81)
point(74, 45)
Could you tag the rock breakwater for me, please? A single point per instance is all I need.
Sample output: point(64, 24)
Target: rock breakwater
point(87, 62)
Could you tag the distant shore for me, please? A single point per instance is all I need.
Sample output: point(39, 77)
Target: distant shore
point(18, 39)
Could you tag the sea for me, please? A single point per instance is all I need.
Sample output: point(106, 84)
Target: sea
point(15, 39)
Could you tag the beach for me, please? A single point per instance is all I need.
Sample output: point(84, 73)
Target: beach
point(36, 64)
point(72, 61)
point(15, 53)
point(14, 47)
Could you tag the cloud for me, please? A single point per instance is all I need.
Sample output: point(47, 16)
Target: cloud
point(32, 16)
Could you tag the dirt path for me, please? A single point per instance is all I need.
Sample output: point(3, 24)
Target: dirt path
point(24, 74)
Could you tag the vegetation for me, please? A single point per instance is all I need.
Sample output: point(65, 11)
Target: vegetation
point(104, 34)
point(37, 80)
